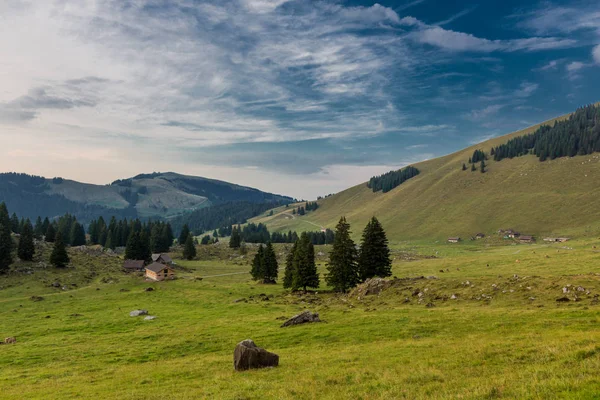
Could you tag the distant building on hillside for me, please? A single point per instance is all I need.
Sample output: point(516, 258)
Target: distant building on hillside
point(453, 240)
point(159, 272)
point(133, 265)
point(557, 240)
point(162, 258)
point(526, 239)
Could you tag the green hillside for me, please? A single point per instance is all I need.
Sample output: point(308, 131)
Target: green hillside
point(156, 195)
point(555, 197)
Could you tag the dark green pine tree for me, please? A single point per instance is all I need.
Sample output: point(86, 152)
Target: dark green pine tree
point(473, 167)
point(45, 225)
point(50, 234)
point(6, 243)
point(482, 166)
point(215, 234)
point(14, 223)
point(185, 232)
point(38, 231)
point(342, 267)
point(111, 242)
point(258, 264)
point(77, 235)
point(236, 239)
point(374, 255)
point(133, 249)
point(464, 167)
point(26, 248)
point(59, 257)
point(305, 270)
point(270, 265)
point(145, 247)
point(288, 277)
point(189, 249)
point(205, 240)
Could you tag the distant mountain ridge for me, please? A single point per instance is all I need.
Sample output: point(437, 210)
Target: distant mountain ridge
point(156, 195)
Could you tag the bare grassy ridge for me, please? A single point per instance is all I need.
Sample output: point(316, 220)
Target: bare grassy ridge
point(556, 197)
point(81, 342)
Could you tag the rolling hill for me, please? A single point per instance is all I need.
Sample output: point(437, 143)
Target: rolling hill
point(157, 195)
point(554, 197)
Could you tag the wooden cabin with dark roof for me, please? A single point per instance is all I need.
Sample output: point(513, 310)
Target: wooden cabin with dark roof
point(159, 272)
point(162, 258)
point(133, 265)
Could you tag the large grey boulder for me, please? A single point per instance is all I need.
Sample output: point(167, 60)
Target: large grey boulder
point(137, 313)
point(247, 355)
point(302, 318)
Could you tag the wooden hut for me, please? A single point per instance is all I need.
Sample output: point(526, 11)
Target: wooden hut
point(159, 272)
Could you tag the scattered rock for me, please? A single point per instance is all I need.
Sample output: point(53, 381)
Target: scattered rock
point(36, 298)
point(430, 305)
point(453, 297)
point(149, 318)
point(563, 299)
point(369, 287)
point(149, 289)
point(137, 313)
point(565, 290)
point(240, 300)
point(247, 355)
point(56, 284)
point(10, 340)
point(580, 289)
point(302, 318)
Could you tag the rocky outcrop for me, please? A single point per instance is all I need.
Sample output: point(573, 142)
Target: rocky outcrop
point(247, 355)
point(137, 313)
point(302, 318)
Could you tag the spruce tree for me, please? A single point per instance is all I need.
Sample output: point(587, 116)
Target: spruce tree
point(6, 243)
point(374, 255)
point(38, 229)
point(185, 232)
point(14, 223)
point(133, 249)
point(288, 277)
point(464, 167)
point(342, 268)
point(26, 247)
point(205, 240)
point(236, 240)
point(305, 270)
point(59, 257)
point(50, 234)
point(258, 264)
point(473, 167)
point(189, 250)
point(77, 235)
point(270, 265)
point(482, 167)
point(145, 247)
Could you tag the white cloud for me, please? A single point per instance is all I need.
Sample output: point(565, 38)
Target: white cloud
point(575, 66)
point(459, 41)
point(596, 54)
point(483, 113)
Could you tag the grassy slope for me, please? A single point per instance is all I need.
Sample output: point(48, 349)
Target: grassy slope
point(378, 347)
point(554, 197)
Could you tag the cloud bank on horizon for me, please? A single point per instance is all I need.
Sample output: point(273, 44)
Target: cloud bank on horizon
point(292, 96)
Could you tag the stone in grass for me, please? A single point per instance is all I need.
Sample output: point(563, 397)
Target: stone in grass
point(247, 355)
point(137, 313)
point(149, 289)
point(302, 318)
point(10, 340)
point(149, 318)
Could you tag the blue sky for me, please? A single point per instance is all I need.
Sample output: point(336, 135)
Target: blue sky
point(303, 98)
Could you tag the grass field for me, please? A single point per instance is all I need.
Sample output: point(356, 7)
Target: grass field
point(512, 340)
point(555, 197)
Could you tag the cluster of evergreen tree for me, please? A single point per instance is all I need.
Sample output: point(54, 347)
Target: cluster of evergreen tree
point(253, 233)
point(300, 267)
point(577, 135)
point(222, 215)
point(478, 156)
point(348, 266)
point(392, 179)
point(118, 232)
point(311, 206)
point(27, 233)
point(315, 238)
point(264, 265)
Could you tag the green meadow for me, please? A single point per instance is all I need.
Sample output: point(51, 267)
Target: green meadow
point(479, 320)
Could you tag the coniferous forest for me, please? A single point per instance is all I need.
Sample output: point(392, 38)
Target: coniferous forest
point(577, 135)
point(392, 179)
